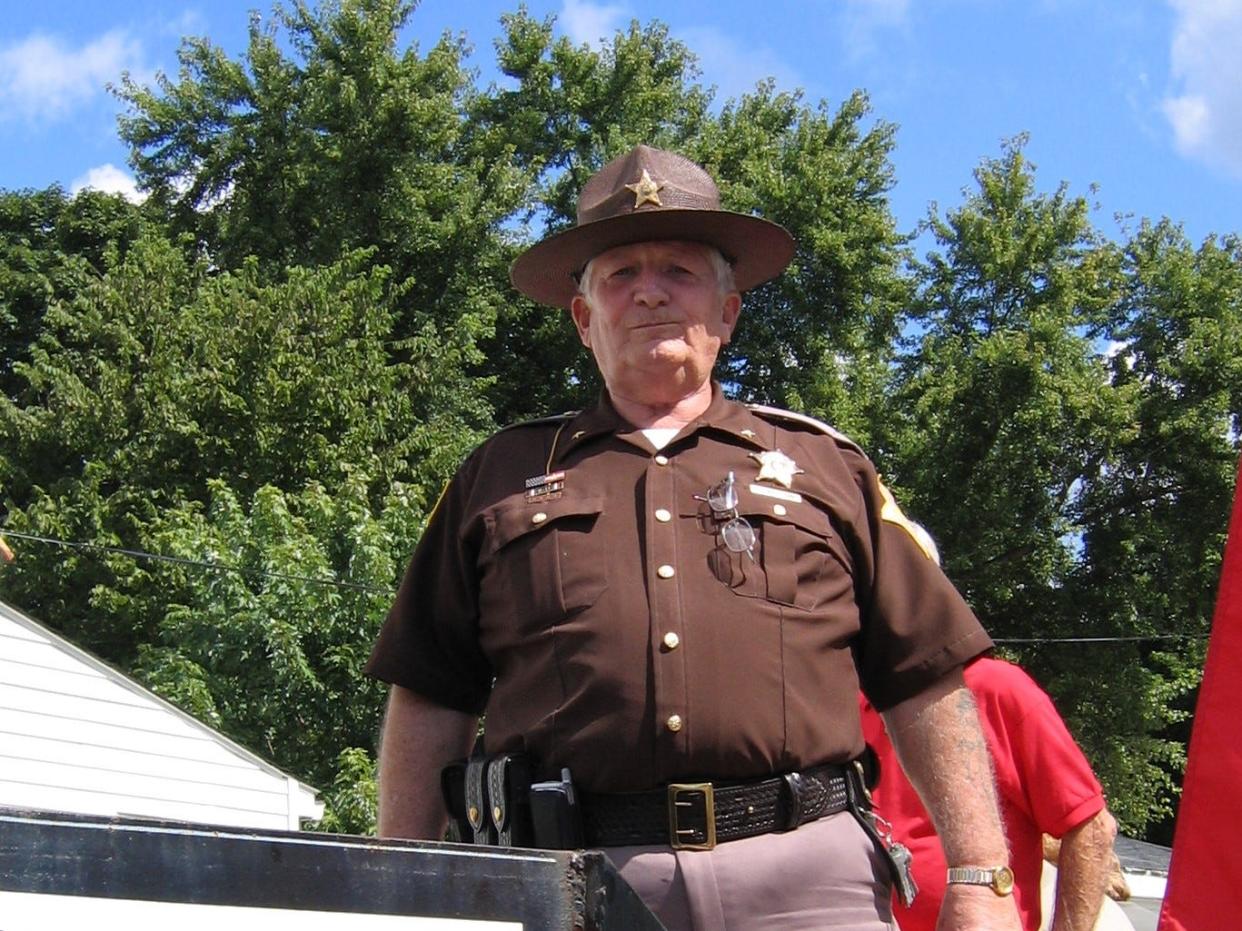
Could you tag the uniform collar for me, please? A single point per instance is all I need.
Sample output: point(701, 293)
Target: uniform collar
point(737, 420)
point(599, 420)
point(722, 416)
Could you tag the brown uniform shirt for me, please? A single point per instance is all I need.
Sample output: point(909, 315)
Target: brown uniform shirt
point(572, 585)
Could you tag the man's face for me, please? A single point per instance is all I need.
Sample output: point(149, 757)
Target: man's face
point(655, 319)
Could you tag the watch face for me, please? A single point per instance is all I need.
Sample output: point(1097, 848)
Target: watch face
point(1002, 880)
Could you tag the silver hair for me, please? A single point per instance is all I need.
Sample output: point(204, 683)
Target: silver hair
point(724, 272)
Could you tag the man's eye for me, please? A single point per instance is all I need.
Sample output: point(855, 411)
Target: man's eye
point(625, 271)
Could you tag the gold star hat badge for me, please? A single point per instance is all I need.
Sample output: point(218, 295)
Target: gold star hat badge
point(775, 466)
point(646, 190)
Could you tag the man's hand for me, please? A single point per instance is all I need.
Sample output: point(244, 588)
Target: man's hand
point(942, 749)
point(976, 907)
point(1117, 888)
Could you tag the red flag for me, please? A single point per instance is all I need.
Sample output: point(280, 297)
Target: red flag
point(1205, 874)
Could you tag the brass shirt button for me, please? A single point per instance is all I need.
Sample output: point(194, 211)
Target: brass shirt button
point(779, 510)
point(666, 572)
point(671, 640)
point(661, 459)
point(538, 518)
point(673, 723)
point(663, 516)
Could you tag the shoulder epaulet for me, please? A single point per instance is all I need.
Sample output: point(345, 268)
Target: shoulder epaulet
point(777, 413)
point(551, 418)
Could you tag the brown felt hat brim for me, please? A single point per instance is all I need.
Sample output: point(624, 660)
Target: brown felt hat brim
point(758, 249)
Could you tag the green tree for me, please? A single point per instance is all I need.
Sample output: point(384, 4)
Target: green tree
point(1155, 512)
point(50, 246)
point(272, 650)
point(1003, 395)
point(1044, 376)
point(323, 139)
point(820, 337)
point(325, 136)
point(278, 429)
point(162, 376)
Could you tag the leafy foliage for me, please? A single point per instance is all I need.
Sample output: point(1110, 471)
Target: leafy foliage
point(267, 372)
point(1068, 424)
point(204, 416)
point(50, 246)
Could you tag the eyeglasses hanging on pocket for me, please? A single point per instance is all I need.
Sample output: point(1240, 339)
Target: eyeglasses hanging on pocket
point(735, 531)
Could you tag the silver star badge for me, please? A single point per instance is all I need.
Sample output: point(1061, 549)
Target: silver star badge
point(646, 190)
point(775, 466)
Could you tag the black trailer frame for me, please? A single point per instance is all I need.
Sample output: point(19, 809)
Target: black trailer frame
point(61, 854)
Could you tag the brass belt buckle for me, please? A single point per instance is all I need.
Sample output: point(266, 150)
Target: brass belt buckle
point(684, 799)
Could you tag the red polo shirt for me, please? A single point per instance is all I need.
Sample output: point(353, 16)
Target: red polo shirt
point(1045, 785)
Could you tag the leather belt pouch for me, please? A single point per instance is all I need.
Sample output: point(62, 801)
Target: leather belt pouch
point(481, 826)
point(488, 800)
point(508, 792)
point(453, 790)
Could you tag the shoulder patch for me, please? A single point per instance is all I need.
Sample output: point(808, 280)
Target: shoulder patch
point(891, 511)
point(551, 418)
point(776, 413)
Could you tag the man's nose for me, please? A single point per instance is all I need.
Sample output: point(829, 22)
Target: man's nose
point(649, 289)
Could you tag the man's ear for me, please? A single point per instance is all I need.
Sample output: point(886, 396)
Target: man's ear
point(729, 313)
point(580, 310)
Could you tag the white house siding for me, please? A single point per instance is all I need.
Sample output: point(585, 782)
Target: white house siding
point(77, 736)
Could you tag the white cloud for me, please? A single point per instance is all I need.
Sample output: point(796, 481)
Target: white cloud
point(732, 66)
point(43, 79)
point(1204, 106)
point(862, 19)
point(1190, 117)
point(880, 12)
point(588, 23)
point(110, 180)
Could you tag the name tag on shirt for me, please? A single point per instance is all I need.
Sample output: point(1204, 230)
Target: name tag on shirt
point(778, 493)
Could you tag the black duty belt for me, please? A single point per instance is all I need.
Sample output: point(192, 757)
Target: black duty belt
point(698, 815)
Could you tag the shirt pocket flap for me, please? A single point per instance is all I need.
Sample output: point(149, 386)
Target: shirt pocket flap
point(512, 521)
point(801, 514)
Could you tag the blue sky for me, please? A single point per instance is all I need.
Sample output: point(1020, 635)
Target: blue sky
point(1142, 98)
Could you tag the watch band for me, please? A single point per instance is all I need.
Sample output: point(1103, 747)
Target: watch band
point(997, 878)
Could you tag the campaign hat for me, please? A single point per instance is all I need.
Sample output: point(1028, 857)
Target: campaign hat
point(650, 194)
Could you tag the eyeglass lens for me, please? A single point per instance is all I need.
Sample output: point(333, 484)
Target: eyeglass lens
point(739, 536)
point(722, 497)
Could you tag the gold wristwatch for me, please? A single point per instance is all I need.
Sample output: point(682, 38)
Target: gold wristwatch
point(997, 878)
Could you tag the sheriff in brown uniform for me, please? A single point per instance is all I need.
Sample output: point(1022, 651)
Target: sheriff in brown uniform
point(675, 590)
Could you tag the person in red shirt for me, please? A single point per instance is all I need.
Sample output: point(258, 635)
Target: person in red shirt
point(1045, 786)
